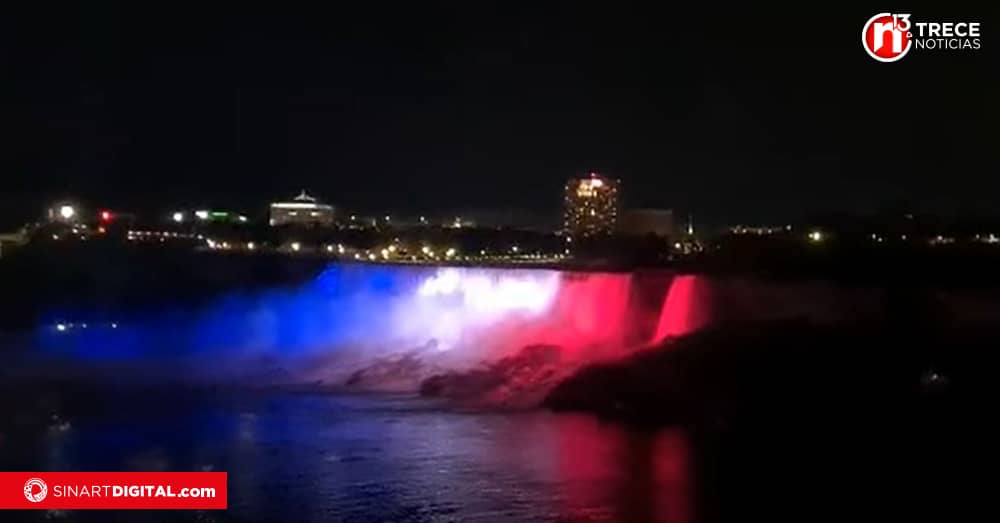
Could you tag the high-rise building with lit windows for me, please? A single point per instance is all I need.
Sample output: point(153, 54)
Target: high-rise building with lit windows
point(590, 206)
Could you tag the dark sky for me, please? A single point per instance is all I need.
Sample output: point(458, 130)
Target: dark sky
point(742, 114)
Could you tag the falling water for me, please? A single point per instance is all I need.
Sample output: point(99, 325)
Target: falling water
point(683, 308)
point(460, 316)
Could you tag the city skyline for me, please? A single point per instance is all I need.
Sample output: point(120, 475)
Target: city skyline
point(490, 106)
point(496, 260)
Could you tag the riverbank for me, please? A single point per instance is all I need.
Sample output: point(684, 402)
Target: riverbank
point(790, 370)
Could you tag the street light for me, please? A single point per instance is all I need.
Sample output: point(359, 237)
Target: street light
point(67, 211)
point(178, 217)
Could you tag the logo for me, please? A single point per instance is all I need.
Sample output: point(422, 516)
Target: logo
point(31, 494)
point(887, 37)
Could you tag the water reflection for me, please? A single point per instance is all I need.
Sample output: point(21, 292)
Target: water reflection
point(608, 473)
point(316, 457)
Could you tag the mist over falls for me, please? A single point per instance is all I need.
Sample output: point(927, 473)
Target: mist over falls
point(473, 334)
point(382, 327)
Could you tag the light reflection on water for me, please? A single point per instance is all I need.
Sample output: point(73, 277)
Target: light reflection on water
point(310, 457)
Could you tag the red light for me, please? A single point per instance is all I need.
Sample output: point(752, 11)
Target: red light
point(106, 216)
point(684, 309)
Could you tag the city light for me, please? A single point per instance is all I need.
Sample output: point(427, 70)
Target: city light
point(178, 217)
point(250, 246)
point(296, 246)
point(450, 252)
point(61, 327)
point(67, 212)
point(243, 219)
point(340, 248)
point(815, 236)
point(329, 248)
point(202, 215)
point(106, 216)
point(590, 206)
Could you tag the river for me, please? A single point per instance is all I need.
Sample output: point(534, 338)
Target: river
point(298, 456)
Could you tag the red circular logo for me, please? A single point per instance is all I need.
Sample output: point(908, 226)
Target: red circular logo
point(35, 490)
point(886, 36)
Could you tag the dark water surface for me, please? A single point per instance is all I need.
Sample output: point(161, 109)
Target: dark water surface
point(294, 456)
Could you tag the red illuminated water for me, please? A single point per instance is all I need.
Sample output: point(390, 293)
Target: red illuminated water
point(683, 308)
point(589, 315)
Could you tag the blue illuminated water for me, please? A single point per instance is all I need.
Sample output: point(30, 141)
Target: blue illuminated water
point(345, 318)
point(319, 457)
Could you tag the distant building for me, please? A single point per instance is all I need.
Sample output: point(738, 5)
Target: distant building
point(643, 222)
point(211, 216)
point(302, 210)
point(759, 230)
point(64, 212)
point(459, 222)
point(11, 240)
point(590, 206)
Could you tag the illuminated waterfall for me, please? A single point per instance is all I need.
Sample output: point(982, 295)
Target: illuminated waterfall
point(683, 308)
point(469, 313)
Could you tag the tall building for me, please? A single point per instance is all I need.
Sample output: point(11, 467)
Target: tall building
point(302, 210)
point(590, 206)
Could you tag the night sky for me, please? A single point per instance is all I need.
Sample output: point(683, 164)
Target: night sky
point(414, 107)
